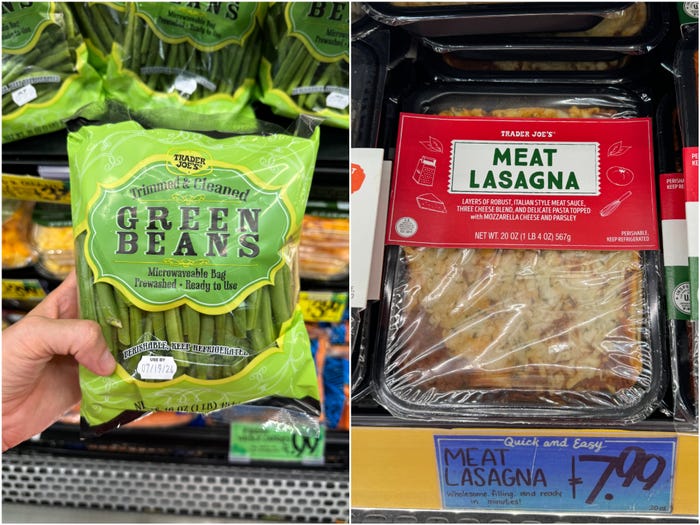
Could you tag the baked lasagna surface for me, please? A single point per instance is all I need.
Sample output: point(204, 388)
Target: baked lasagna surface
point(533, 326)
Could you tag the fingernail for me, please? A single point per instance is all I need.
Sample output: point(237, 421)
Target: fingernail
point(107, 362)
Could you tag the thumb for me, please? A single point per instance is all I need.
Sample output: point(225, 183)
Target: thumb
point(79, 338)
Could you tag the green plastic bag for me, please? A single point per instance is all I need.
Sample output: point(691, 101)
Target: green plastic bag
point(186, 254)
point(186, 60)
point(45, 75)
point(304, 68)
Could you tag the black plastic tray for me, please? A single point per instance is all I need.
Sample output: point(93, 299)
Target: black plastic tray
point(488, 18)
point(558, 47)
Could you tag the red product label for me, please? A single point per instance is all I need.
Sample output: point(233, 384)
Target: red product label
point(523, 183)
point(690, 169)
point(672, 196)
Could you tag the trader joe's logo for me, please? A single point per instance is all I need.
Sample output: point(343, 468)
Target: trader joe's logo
point(189, 162)
point(207, 241)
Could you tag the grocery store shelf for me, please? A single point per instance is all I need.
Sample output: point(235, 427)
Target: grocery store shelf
point(24, 513)
point(175, 488)
point(409, 516)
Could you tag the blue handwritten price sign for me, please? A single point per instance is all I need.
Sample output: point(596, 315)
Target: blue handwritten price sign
point(556, 473)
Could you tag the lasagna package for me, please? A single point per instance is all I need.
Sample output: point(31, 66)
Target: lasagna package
point(193, 277)
point(642, 32)
point(479, 18)
point(523, 281)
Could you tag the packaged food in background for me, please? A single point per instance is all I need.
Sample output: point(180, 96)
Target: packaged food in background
point(324, 252)
point(101, 24)
point(520, 335)
point(17, 250)
point(369, 71)
point(200, 287)
point(329, 345)
point(561, 47)
point(674, 243)
point(336, 377)
point(46, 77)
point(319, 348)
point(483, 18)
point(686, 85)
point(52, 239)
point(185, 63)
point(305, 63)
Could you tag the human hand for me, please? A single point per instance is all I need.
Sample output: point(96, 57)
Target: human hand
point(40, 356)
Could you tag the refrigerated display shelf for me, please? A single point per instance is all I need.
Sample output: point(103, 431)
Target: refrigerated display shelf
point(407, 516)
point(199, 490)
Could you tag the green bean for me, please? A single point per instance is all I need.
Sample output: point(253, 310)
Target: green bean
point(281, 309)
point(199, 369)
point(123, 333)
point(107, 332)
point(158, 325)
point(173, 330)
point(84, 278)
point(257, 340)
point(148, 327)
point(106, 305)
point(173, 325)
point(253, 304)
point(190, 324)
point(228, 335)
point(265, 316)
point(128, 38)
point(238, 321)
point(220, 328)
point(206, 336)
point(135, 324)
point(88, 27)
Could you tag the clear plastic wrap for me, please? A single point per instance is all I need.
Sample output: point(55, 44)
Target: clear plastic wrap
point(184, 62)
point(477, 18)
point(45, 75)
point(305, 63)
point(563, 333)
point(526, 335)
point(52, 239)
point(650, 25)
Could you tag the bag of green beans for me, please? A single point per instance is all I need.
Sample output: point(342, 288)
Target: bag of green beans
point(304, 68)
point(187, 60)
point(186, 254)
point(45, 75)
point(101, 24)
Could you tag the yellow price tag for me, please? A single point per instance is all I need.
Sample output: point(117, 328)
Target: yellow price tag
point(326, 307)
point(28, 188)
point(22, 289)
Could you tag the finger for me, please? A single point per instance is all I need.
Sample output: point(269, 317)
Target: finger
point(62, 303)
point(80, 338)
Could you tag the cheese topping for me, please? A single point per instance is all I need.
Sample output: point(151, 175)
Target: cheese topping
point(527, 319)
